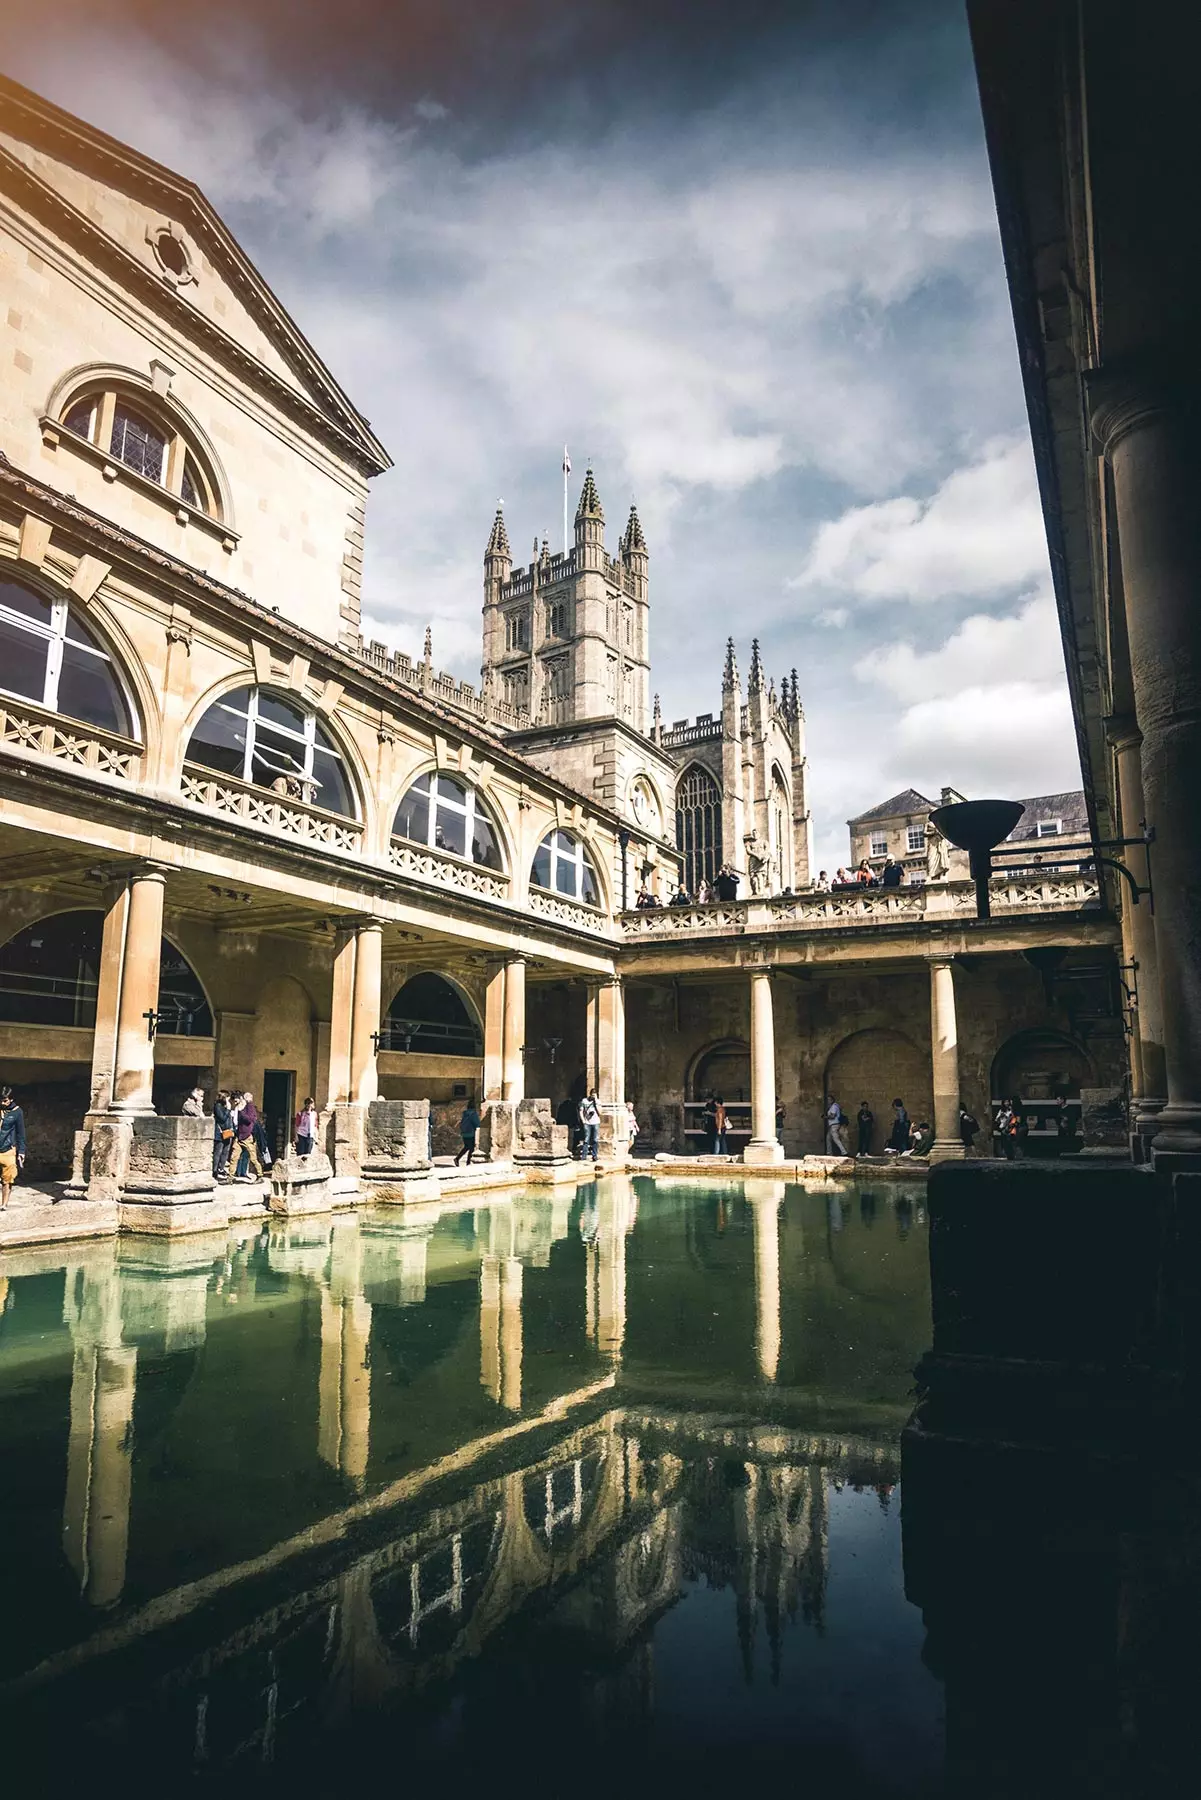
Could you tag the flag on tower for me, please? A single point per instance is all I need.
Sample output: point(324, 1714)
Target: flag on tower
point(566, 461)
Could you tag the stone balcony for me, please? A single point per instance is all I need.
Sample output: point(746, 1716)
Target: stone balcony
point(1010, 896)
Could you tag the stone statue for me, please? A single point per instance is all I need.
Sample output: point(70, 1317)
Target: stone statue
point(756, 863)
point(938, 856)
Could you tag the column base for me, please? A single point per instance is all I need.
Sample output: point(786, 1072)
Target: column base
point(1177, 1141)
point(401, 1187)
point(947, 1150)
point(763, 1152)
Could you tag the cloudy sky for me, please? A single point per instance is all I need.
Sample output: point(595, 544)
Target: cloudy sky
point(741, 257)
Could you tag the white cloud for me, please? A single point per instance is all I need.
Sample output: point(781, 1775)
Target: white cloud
point(1020, 646)
point(981, 532)
point(834, 617)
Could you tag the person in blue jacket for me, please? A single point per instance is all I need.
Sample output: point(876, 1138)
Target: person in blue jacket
point(12, 1144)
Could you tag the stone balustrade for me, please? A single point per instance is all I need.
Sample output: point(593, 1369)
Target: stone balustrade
point(566, 912)
point(447, 871)
point(1045, 892)
point(28, 729)
point(223, 795)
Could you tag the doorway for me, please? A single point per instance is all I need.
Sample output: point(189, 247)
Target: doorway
point(279, 1107)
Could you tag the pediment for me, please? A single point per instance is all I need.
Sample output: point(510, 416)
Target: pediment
point(156, 234)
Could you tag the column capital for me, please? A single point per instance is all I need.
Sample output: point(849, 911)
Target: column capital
point(1122, 400)
point(1121, 731)
point(132, 869)
point(941, 959)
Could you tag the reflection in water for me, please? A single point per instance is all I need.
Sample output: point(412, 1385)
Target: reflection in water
point(311, 1474)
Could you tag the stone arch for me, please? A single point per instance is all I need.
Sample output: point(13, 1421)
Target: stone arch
point(878, 1065)
point(24, 951)
point(698, 824)
point(1039, 1064)
point(361, 787)
point(432, 999)
point(722, 1067)
point(91, 378)
point(99, 621)
point(429, 765)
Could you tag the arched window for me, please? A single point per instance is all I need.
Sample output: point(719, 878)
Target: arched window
point(48, 655)
point(258, 736)
point(49, 974)
point(146, 438)
point(430, 1018)
point(445, 814)
point(562, 864)
point(698, 826)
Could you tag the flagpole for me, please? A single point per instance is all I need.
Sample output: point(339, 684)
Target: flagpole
point(566, 503)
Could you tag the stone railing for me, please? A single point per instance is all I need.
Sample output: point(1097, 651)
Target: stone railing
point(702, 732)
point(566, 912)
point(461, 696)
point(447, 871)
point(223, 796)
point(1050, 892)
point(30, 730)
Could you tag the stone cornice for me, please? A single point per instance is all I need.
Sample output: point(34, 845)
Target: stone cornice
point(342, 424)
point(201, 593)
point(1121, 401)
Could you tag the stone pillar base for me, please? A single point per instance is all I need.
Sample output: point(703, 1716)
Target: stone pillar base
point(106, 1158)
point(614, 1134)
point(173, 1218)
point(345, 1135)
point(947, 1150)
point(400, 1187)
point(498, 1130)
point(761, 1152)
point(301, 1184)
point(553, 1171)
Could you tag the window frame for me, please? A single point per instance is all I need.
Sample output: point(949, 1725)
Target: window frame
point(877, 844)
point(307, 739)
point(918, 832)
point(183, 455)
point(579, 859)
point(1048, 828)
point(54, 636)
point(473, 805)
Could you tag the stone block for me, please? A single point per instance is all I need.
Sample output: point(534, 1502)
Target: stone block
point(497, 1130)
point(345, 1131)
point(108, 1159)
point(301, 1184)
point(170, 1158)
point(1103, 1117)
point(396, 1135)
point(538, 1140)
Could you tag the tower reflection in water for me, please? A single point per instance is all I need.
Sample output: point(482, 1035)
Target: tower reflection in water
point(339, 1468)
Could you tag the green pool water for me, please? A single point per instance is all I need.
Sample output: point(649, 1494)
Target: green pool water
point(604, 1480)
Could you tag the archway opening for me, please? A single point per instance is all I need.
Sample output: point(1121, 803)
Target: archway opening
point(436, 1020)
point(1040, 1065)
point(880, 1065)
point(49, 974)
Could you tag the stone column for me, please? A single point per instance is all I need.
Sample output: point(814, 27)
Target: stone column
point(1148, 1086)
point(341, 1012)
point(514, 1032)
point(100, 1436)
point(494, 1032)
point(610, 1066)
point(108, 994)
point(764, 1146)
point(490, 1326)
point(1150, 442)
point(133, 1074)
point(944, 1050)
point(510, 1334)
point(344, 1384)
point(591, 1038)
point(764, 1198)
point(365, 1012)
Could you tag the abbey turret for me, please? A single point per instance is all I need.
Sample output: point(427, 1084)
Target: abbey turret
point(567, 643)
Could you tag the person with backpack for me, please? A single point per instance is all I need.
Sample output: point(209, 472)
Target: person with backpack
point(898, 1137)
point(836, 1142)
point(223, 1136)
point(12, 1144)
point(721, 1126)
point(590, 1121)
point(967, 1129)
point(247, 1140)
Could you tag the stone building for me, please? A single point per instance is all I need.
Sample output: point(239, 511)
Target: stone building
point(567, 644)
point(897, 827)
point(243, 849)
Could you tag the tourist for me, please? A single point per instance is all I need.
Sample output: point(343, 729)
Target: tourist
point(681, 897)
point(631, 1123)
point(865, 1121)
point(836, 1142)
point(779, 1119)
point(920, 1140)
point(12, 1144)
point(643, 899)
point(193, 1106)
point(967, 1129)
point(721, 1125)
point(248, 1152)
point(822, 884)
point(1009, 1126)
point(590, 1121)
point(469, 1125)
point(898, 1137)
point(223, 1136)
point(306, 1127)
point(863, 874)
point(708, 1121)
point(726, 885)
point(842, 879)
point(704, 894)
point(894, 874)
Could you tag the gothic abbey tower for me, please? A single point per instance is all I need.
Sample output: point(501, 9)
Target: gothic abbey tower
point(567, 644)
